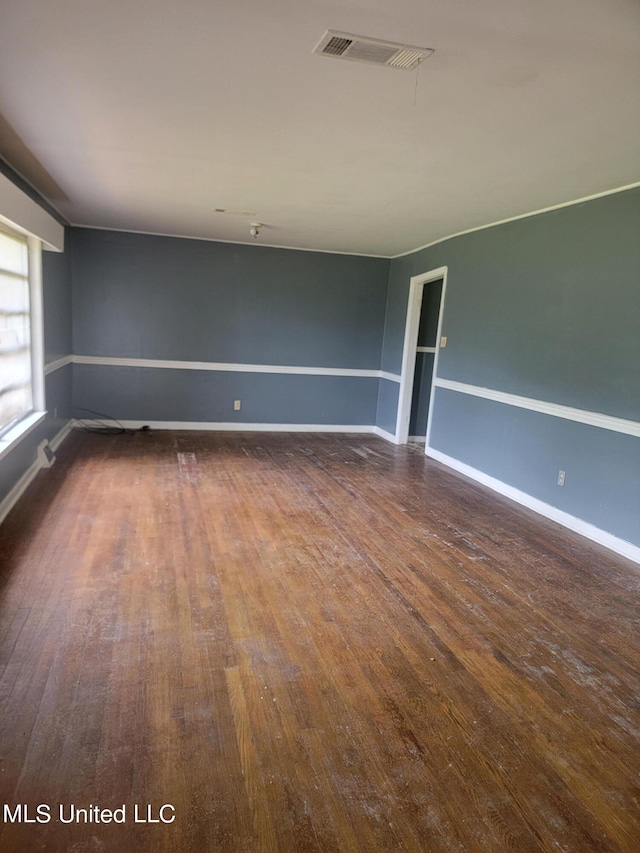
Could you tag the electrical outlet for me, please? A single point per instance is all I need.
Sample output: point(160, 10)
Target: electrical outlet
point(443, 342)
point(561, 476)
point(237, 405)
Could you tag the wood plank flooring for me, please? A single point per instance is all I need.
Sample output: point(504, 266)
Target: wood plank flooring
point(308, 643)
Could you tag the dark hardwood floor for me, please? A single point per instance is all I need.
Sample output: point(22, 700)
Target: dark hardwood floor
point(307, 643)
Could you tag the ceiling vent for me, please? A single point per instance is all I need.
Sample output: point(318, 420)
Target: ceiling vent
point(374, 51)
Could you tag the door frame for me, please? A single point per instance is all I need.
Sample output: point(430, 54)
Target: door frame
point(414, 307)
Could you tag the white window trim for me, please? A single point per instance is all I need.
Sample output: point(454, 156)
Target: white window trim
point(30, 421)
point(21, 213)
point(20, 431)
point(36, 315)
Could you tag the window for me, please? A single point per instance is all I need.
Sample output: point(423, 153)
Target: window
point(16, 369)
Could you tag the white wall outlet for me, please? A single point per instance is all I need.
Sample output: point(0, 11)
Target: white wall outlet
point(443, 342)
point(561, 476)
point(237, 405)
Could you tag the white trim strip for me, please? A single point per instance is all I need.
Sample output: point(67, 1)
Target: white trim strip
point(37, 323)
point(584, 528)
point(583, 416)
point(228, 367)
point(228, 426)
point(425, 349)
point(382, 433)
point(392, 377)
point(57, 364)
point(519, 216)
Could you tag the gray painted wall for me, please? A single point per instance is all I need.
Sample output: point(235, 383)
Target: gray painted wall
point(387, 407)
point(546, 307)
point(526, 449)
point(173, 299)
point(56, 296)
point(56, 286)
point(168, 298)
point(152, 394)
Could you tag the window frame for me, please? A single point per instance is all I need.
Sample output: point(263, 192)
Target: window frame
point(30, 420)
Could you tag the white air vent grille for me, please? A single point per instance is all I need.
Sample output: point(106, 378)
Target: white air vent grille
point(407, 58)
point(374, 51)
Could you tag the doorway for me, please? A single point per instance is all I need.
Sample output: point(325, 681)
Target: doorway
point(420, 355)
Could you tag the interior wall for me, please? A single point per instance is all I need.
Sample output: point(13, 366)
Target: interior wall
point(546, 308)
point(57, 306)
point(219, 305)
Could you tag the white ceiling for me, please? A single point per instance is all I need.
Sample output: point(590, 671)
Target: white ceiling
point(145, 115)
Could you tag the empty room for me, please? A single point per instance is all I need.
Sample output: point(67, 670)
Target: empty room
point(319, 426)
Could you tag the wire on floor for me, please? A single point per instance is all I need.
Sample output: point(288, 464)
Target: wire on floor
point(103, 424)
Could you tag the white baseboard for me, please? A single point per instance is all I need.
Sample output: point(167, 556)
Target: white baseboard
point(12, 498)
point(57, 440)
point(382, 433)
point(584, 528)
point(222, 426)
